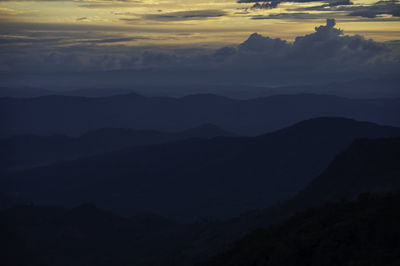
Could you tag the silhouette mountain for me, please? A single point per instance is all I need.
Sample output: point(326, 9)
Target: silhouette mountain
point(84, 235)
point(363, 232)
point(196, 178)
point(73, 115)
point(26, 151)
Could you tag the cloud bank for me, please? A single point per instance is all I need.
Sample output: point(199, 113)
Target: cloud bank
point(324, 54)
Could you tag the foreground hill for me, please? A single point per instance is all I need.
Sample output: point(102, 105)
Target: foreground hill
point(72, 115)
point(84, 235)
point(364, 232)
point(367, 166)
point(26, 151)
point(192, 179)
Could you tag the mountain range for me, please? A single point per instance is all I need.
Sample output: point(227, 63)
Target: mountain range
point(73, 115)
point(195, 178)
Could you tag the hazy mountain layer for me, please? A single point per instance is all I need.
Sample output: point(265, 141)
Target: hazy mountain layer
point(68, 115)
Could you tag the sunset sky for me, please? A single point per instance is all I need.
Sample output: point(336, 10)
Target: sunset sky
point(200, 22)
point(91, 35)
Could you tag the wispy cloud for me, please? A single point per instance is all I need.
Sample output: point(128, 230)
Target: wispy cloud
point(177, 16)
point(9, 11)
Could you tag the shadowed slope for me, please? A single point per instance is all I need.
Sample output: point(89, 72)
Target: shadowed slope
point(196, 178)
point(364, 232)
point(26, 151)
point(368, 165)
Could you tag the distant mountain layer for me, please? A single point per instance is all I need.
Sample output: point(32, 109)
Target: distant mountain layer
point(191, 179)
point(26, 151)
point(72, 115)
point(363, 232)
point(26, 92)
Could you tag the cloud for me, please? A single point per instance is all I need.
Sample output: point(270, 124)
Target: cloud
point(386, 7)
point(106, 3)
point(20, 40)
point(339, 8)
point(113, 40)
point(390, 7)
point(329, 48)
point(78, 1)
point(259, 44)
point(293, 16)
point(268, 4)
point(89, 3)
point(186, 15)
point(82, 19)
point(327, 51)
point(8, 11)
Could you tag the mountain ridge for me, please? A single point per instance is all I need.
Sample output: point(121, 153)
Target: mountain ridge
point(208, 174)
point(69, 115)
point(27, 151)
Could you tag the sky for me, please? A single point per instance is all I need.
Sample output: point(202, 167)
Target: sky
point(42, 39)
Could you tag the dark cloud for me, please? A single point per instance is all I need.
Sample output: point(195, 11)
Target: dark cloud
point(114, 40)
point(83, 1)
point(25, 40)
point(274, 3)
point(89, 3)
point(64, 40)
point(261, 45)
point(175, 16)
point(387, 7)
point(390, 7)
point(107, 4)
point(325, 50)
point(329, 48)
point(293, 15)
point(186, 15)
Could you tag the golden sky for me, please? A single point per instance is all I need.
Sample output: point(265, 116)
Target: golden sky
point(181, 22)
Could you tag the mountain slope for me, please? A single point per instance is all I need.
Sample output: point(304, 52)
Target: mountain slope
point(26, 151)
point(69, 115)
point(364, 232)
point(367, 166)
point(84, 235)
point(197, 178)
point(361, 232)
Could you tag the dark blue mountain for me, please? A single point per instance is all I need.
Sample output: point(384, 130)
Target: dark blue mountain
point(195, 178)
point(72, 115)
point(25, 151)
